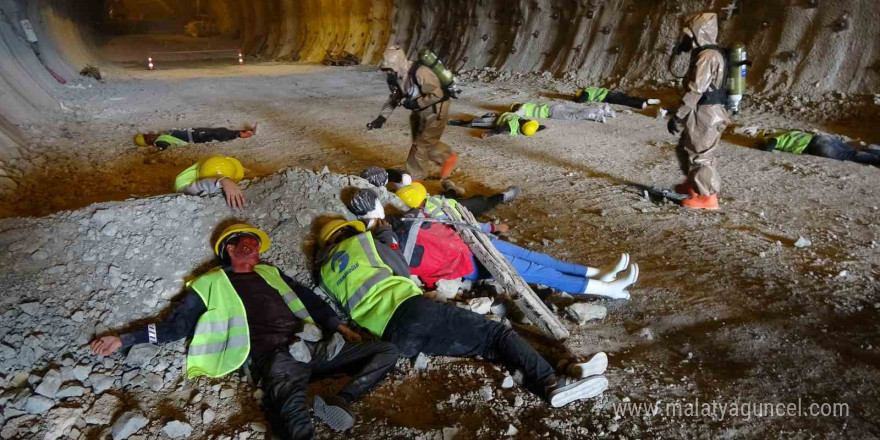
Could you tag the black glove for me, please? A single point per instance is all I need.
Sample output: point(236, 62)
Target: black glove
point(377, 123)
point(672, 126)
point(410, 104)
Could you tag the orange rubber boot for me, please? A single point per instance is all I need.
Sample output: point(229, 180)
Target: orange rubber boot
point(448, 165)
point(701, 202)
point(685, 188)
point(245, 134)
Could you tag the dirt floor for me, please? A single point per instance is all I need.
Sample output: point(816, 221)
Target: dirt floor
point(727, 309)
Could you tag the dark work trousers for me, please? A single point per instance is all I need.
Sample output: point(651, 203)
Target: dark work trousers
point(285, 380)
point(202, 135)
point(835, 148)
point(477, 205)
point(620, 98)
point(433, 328)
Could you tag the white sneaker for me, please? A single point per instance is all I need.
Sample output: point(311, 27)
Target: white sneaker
point(569, 389)
point(653, 101)
point(593, 367)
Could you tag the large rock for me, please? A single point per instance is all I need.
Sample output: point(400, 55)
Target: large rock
point(140, 355)
point(50, 384)
point(38, 404)
point(59, 421)
point(128, 424)
point(583, 312)
point(102, 411)
point(175, 429)
point(101, 382)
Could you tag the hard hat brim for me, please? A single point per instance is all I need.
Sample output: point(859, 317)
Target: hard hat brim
point(356, 224)
point(265, 242)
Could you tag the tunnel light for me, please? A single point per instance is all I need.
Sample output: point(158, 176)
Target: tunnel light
point(240, 58)
point(150, 65)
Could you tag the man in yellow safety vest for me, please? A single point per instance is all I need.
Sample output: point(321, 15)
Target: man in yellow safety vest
point(246, 311)
point(365, 273)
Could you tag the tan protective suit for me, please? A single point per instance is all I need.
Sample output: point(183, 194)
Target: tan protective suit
point(427, 124)
point(703, 124)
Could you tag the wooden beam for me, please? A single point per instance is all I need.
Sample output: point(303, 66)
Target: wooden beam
point(506, 276)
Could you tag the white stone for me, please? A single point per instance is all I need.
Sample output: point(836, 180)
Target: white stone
point(802, 242)
point(176, 429)
point(208, 416)
point(38, 404)
point(486, 393)
point(128, 424)
point(480, 305)
point(421, 362)
point(59, 422)
point(507, 382)
point(102, 410)
point(583, 312)
point(511, 431)
point(50, 384)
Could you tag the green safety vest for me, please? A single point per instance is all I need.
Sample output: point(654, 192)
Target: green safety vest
point(595, 94)
point(221, 341)
point(533, 110)
point(434, 206)
point(511, 120)
point(792, 141)
point(187, 177)
point(171, 140)
point(357, 278)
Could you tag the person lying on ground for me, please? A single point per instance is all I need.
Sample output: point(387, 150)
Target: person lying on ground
point(530, 110)
point(247, 313)
point(477, 205)
point(598, 94)
point(434, 251)
point(211, 175)
point(832, 147)
point(363, 272)
point(183, 137)
point(501, 123)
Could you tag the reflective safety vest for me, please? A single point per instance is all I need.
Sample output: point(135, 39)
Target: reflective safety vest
point(171, 140)
point(792, 141)
point(357, 278)
point(510, 120)
point(434, 206)
point(532, 110)
point(595, 94)
point(221, 341)
point(186, 178)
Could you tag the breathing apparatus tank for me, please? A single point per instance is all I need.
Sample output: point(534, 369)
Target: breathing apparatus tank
point(736, 76)
point(447, 79)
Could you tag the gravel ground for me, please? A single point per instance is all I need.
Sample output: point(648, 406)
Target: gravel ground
point(731, 308)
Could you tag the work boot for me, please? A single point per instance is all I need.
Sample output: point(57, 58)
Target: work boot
point(568, 389)
point(448, 165)
point(449, 185)
point(509, 194)
point(335, 412)
point(700, 201)
point(593, 367)
point(245, 134)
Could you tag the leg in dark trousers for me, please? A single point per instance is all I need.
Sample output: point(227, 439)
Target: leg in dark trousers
point(285, 380)
point(423, 325)
point(620, 98)
point(202, 135)
point(477, 205)
point(835, 148)
point(366, 362)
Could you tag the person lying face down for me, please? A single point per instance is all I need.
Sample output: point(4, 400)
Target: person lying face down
point(832, 147)
point(364, 273)
point(246, 310)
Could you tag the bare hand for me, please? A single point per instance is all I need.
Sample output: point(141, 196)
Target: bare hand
point(382, 222)
point(234, 196)
point(501, 228)
point(106, 345)
point(348, 334)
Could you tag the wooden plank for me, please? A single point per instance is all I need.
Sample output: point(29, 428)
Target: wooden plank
point(506, 276)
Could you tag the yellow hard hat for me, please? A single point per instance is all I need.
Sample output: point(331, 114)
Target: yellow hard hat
point(530, 128)
point(579, 93)
point(413, 194)
point(265, 243)
point(332, 226)
point(216, 165)
point(139, 140)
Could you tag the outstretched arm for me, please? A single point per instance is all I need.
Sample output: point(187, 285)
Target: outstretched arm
point(177, 325)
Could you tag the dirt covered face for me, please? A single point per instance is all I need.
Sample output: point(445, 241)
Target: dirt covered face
point(244, 250)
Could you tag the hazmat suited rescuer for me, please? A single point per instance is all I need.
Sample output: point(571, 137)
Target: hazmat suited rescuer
point(365, 273)
point(701, 118)
point(416, 87)
point(247, 313)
